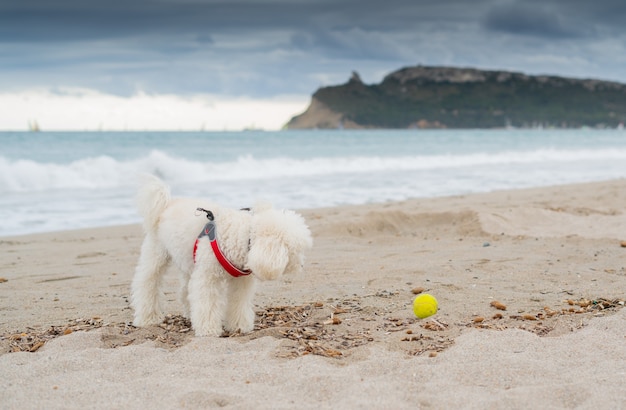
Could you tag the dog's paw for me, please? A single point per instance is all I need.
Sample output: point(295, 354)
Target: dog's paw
point(148, 320)
point(241, 324)
point(239, 329)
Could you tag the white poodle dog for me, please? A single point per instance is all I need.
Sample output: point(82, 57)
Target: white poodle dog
point(220, 259)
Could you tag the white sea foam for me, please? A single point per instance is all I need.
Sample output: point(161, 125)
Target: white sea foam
point(106, 172)
point(58, 182)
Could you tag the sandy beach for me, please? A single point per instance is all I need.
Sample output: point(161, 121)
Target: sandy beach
point(342, 335)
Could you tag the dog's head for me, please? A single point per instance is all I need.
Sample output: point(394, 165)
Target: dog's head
point(279, 239)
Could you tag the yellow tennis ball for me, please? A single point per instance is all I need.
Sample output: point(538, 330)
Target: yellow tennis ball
point(424, 305)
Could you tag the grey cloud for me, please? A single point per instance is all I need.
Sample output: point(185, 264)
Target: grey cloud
point(205, 39)
point(530, 20)
point(268, 47)
point(42, 20)
point(558, 19)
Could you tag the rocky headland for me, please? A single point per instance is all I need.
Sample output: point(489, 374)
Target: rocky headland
point(449, 97)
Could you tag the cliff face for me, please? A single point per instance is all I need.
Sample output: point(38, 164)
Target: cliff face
point(447, 97)
point(318, 115)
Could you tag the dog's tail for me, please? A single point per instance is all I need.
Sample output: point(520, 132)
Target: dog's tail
point(152, 199)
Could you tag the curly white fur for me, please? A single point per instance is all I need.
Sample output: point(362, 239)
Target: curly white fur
point(267, 241)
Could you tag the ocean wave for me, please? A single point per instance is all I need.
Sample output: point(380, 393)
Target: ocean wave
point(104, 172)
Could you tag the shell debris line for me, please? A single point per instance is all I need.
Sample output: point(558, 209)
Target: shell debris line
point(335, 327)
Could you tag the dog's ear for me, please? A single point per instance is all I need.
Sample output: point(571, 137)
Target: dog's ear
point(267, 258)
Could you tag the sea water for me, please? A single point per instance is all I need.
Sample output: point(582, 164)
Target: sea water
point(67, 180)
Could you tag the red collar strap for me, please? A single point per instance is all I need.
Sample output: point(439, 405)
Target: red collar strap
point(209, 230)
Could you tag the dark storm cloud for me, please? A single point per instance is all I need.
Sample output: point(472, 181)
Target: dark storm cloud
point(68, 20)
point(530, 20)
point(41, 20)
point(44, 20)
point(261, 47)
point(560, 19)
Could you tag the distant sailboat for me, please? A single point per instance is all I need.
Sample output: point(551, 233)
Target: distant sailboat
point(620, 126)
point(33, 126)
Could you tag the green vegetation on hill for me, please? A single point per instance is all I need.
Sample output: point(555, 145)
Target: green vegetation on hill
point(432, 97)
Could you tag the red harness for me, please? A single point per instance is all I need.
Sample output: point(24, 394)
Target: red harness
point(209, 230)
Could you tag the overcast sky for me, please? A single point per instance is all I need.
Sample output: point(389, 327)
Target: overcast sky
point(90, 64)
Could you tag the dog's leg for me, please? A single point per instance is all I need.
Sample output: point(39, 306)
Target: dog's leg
point(146, 285)
point(183, 294)
point(240, 310)
point(207, 294)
